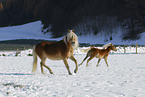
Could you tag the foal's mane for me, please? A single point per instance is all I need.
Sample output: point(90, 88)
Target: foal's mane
point(107, 45)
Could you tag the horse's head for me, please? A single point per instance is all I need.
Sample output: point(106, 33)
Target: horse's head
point(110, 45)
point(113, 47)
point(72, 37)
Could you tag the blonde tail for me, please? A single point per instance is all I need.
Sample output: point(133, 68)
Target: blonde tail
point(34, 60)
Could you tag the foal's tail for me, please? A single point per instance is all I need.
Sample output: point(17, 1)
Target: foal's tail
point(34, 60)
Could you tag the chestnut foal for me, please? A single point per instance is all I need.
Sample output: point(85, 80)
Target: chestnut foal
point(99, 53)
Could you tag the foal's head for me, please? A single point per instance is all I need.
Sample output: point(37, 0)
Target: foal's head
point(110, 45)
point(113, 47)
point(71, 36)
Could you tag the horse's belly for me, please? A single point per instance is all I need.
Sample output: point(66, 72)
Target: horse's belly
point(55, 57)
point(99, 56)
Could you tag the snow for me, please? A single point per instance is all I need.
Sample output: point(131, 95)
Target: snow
point(123, 77)
point(116, 39)
point(27, 31)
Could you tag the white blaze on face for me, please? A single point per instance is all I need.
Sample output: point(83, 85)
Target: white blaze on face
point(70, 35)
point(71, 31)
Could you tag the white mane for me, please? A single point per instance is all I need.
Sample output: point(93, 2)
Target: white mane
point(70, 35)
point(107, 45)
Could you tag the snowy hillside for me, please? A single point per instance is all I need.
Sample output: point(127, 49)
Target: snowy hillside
point(34, 31)
point(27, 31)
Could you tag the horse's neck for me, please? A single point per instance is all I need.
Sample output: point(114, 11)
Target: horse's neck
point(65, 39)
point(69, 43)
point(109, 49)
point(69, 47)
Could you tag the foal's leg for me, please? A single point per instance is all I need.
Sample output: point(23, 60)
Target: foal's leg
point(73, 59)
point(84, 59)
point(98, 62)
point(66, 65)
point(91, 57)
point(43, 64)
point(106, 61)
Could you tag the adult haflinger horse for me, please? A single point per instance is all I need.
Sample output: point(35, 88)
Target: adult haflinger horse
point(61, 50)
point(99, 53)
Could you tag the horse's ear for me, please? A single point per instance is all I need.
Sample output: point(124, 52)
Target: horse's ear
point(74, 30)
point(68, 31)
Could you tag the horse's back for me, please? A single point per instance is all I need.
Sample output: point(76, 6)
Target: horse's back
point(40, 48)
point(93, 51)
point(52, 50)
point(55, 48)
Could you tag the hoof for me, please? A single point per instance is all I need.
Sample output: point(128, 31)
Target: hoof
point(70, 73)
point(51, 72)
point(75, 71)
point(42, 72)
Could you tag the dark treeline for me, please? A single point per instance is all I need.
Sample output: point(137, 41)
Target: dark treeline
point(67, 14)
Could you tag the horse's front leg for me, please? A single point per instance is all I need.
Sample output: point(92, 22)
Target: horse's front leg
point(66, 65)
point(73, 59)
point(106, 61)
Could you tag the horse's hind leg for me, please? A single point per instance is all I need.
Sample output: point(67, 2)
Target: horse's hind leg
point(73, 59)
point(84, 59)
point(42, 71)
point(66, 65)
point(98, 62)
point(43, 64)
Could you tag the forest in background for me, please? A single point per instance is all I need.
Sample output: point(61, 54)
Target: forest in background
point(85, 16)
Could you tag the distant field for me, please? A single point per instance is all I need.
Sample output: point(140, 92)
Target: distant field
point(22, 44)
point(18, 44)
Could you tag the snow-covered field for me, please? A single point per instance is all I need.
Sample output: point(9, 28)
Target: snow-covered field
point(125, 76)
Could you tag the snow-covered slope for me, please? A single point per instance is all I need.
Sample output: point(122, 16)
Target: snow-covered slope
point(34, 31)
point(27, 31)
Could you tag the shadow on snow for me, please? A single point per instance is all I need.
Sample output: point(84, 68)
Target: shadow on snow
point(15, 74)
